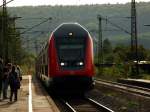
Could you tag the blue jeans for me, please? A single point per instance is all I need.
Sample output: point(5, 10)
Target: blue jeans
point(5, 87)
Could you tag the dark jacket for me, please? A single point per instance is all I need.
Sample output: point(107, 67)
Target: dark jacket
point(14, 80)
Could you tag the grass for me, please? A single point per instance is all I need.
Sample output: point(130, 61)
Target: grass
point(145, 76)
point(109, 73)
point(132, 104)
point(113, 73)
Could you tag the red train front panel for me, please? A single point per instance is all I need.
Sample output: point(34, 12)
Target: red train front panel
point(70, 58)
point(70, 52)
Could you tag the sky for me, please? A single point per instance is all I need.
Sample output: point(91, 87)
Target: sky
point(64, 2)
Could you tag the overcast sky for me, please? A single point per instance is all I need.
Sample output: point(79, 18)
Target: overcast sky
point(64, 2)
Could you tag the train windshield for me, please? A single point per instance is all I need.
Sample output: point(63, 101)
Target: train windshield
point(71, 52)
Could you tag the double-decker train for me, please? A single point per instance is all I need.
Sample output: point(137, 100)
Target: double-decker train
point(66, 61)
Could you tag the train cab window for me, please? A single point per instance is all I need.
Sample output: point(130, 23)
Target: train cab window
point(71, 52)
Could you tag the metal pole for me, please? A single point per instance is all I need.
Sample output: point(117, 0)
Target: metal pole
point(4, 33)
point(1, 36)
point(100, 45)
point(134, 43)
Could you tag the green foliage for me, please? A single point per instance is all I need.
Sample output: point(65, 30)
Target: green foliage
point(28, 63)
point(145, 76)
point(110, 73)
point(142, 53)
point(132, 104)
point(107, 51)
point(107, 47)
point(123, 53)
point(120, 53)
point(123, 62)
point(148, 55)
point(10, 45)
point(109, 58)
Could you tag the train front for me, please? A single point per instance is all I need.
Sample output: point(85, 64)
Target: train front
point(72, 68)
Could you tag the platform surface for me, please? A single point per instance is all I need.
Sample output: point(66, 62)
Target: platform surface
point(31, 98)
point(140, 80)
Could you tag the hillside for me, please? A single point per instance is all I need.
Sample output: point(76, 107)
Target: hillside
point(87, 16)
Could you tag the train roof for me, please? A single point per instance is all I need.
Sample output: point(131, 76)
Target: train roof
point(74, 29)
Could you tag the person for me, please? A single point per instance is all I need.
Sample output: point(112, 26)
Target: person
point(14, 82)
point(9, 65)
point(18, 70)
point(1, 75)
point(5, 81)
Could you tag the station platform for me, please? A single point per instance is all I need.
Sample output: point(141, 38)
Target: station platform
point(136, 82)
point(31, 98)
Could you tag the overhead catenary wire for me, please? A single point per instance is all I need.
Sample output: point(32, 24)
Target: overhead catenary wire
point(32, 39)
point(35, 32)
point(37, 44)
point(34, 18)
point(115, 25)
point(36, 25)
point(6, 3)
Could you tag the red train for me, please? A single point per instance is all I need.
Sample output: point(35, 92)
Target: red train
point(66, 62)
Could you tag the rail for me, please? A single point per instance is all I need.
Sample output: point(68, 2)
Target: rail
point(130, 88)
point(85, 104)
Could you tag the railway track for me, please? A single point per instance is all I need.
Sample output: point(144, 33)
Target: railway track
point(84, 105)
point(129, 88)
point(77, 104)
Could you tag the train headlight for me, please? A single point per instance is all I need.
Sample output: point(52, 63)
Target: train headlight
point(70, 34)
point(62, 64)
point(80, 63)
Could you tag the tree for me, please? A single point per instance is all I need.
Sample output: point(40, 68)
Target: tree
point(107, 47)
point(107, 50)
point(142, 53)
point(109, 58)
point(10, 42)
point(120, 52)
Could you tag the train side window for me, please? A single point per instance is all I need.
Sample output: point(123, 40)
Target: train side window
point(46, 70)
point(40, 70)
point(44, 59)
point(43, 70)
